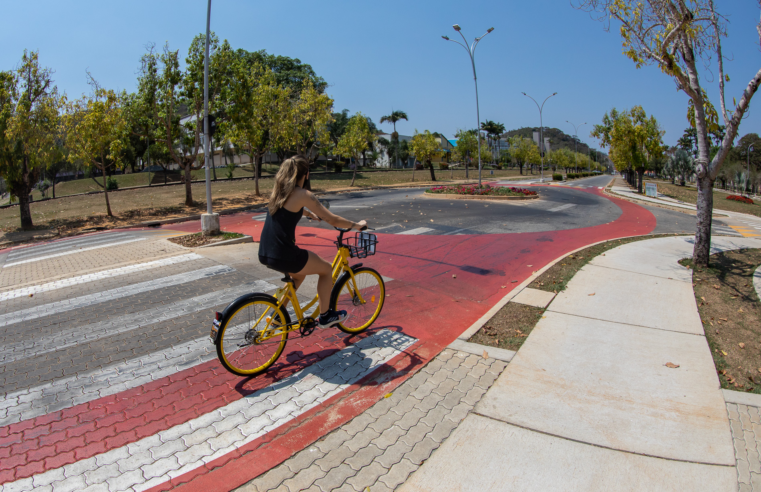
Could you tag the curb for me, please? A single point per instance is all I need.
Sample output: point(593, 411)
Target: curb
point(237, 240)
point(478, 197)
point(740, 398)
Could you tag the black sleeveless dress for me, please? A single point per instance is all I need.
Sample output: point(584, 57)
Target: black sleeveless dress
point(277, 245)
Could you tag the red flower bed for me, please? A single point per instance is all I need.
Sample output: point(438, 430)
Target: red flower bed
point(739, 198)
point(484, 190)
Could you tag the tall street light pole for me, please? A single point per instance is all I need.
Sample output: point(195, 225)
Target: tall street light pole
point(471, 52)
point(750, 148)
point(209, 220)
point(576, 143)
point(541, 127)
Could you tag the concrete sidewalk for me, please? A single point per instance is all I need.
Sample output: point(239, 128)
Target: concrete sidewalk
point(588, 403)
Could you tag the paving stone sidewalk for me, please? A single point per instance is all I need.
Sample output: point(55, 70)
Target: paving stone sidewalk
point(745, 422)
point(380, 448)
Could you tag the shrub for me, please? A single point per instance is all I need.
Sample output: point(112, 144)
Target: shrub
point(738, 198)
point(338, 167)
point(482, 190)
point(443, 165)
point(419, 167)
point(557, 177)
point(112, 184)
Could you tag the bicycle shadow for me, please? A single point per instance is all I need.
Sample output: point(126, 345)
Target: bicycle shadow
point(345, 359)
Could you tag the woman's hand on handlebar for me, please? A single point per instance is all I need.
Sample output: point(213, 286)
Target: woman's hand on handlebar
point(361, 225)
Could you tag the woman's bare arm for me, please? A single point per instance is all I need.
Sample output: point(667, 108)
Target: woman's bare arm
point(308, 200)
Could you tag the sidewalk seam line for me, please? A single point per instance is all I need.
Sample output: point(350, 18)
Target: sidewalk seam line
point(600, 445)
point(622, 323)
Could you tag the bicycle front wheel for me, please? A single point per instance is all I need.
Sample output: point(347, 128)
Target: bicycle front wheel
point(243, 344)
point(361, 296)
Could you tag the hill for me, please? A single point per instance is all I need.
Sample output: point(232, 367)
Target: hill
point(558, 139)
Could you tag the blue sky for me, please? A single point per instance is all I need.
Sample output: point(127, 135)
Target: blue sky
point(383, 56)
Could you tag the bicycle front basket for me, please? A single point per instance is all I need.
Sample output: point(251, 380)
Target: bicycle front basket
point(362, 245)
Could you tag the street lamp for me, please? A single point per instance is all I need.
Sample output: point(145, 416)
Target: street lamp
point(471, 52)
point(209, 220)
point(576, 143)
point(750, 149)
point(541, 127)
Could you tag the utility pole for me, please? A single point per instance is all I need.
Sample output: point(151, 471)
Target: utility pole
point(472, 53)
point(209, 220)
point(541, 127)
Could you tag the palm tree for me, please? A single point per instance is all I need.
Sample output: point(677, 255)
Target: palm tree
point(493, 131)
point(393, 118)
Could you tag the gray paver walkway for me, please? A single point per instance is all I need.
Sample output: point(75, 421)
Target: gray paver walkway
point(378, 449)
point(589, 395)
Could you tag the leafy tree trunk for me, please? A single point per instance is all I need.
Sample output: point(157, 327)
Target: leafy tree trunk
point(22, 191)
point(433, 176)
point(520, 167)
point(640, 172)
point(188, 188)
point(105, 191)
point(354, 174)
point(702, 247)
point(55, 175)
point(257, 173)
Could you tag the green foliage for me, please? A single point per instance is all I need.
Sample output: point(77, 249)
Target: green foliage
point(112, 184)
point(557, 177)
point(355, 140)
point(634, 139)
point(443, 165)
point(394, 117)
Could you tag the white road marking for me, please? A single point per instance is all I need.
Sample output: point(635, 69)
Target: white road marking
point(109, 295)
point(260, 218)
point(70, 337)
point(412, 232)
point(91, 385)
point(78, 250)
point(562, 207)
point(91, 277)
point(388, 227)
point(198, 441)
point(64, 244)
point(349, 206)
point(455, 232)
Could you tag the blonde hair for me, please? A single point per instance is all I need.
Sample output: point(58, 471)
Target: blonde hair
point(288, 176)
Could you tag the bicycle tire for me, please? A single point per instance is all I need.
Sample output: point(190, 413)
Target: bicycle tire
point(235, 349)
point(369, 282)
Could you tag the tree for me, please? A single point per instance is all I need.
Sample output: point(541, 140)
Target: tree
point(523, 151)
point(290, 73)
point(634, 140)
point(425, 148)
point(467, 147)
point(306, 125)
point(29, 105)
point(96, 131)
point(677, 36)
point(679, 165)
point(257, 110)
point(393, 118)
point(355, 140)
point(493, 131)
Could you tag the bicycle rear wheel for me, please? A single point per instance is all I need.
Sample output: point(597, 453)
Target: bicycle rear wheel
point(239, 347)
point(361, 297)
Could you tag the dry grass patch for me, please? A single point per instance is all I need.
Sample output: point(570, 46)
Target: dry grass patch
point(198, 239)
point(720, 202)
point(731, 314)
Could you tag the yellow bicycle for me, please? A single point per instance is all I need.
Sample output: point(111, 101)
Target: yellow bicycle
point(251, 332)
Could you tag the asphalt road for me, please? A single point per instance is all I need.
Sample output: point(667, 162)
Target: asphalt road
point(558, 208)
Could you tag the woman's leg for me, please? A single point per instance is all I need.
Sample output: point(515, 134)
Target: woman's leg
point(317, 266)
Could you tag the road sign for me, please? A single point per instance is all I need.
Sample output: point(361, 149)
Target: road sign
point(651, 189)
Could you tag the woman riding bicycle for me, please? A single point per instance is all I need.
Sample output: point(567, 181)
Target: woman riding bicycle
point(290, 200)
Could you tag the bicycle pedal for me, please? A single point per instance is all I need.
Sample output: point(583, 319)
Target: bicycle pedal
point(308, 325)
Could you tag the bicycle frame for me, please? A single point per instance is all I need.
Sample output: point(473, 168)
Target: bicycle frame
point(288, 293)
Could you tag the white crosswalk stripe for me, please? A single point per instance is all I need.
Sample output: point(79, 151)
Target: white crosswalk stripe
point(412, 232)
point(199, 441)
point(48, 248)
point(70, 252)
point(82, 279)
point(71, 337)
point(91, 385)
point(109, 295)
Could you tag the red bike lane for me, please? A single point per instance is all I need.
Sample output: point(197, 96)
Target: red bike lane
point(441, 285)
